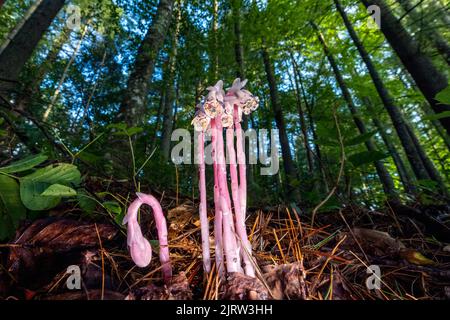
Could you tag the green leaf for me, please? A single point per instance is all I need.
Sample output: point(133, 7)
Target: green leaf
point(134, 130)
point(33, 185)
point(359, 139)
point(437, 116)
point(444, 96)
point(86, 203)
point(11, 208)
point(362, 158)
point(58, 190)
point(112, 206)
point(24, 164)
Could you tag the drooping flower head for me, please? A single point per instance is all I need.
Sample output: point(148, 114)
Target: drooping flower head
point(201, 120)
point(213, 105)
point(244, 99)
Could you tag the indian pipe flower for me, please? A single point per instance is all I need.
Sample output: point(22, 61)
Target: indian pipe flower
point(231, 240)
point(139, 247)
point(201, 120)
point(213, 105)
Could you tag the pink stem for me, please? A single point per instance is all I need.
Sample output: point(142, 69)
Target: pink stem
point(242, 164)
point(139, 246)
point(229, 239)
point(218, 212)
point(203, 214)
point(240, 221)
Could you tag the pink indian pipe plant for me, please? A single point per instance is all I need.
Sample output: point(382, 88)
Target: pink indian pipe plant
point(203, 214)
point(217, 112)
point(218, 212)
point(139, 247)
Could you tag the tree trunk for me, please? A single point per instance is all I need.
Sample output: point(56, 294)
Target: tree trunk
point(133, 107)
point(21, 42)
point(432, 34)
point(302, 117)
point(238, 50)
point(214, 46)
point(26, 97)
point(429, 80)
point(170, 91)
point(407, 181)
point(288, 164)
point(383, 174)
point(388, 102)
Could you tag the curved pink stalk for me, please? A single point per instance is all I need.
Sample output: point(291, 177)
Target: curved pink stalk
point(203, 215)
point(240, 220)
point(229, 239)
point(218, 212)
point(139, 247)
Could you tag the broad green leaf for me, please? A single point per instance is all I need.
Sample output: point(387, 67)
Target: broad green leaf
point(134, 130)
point(86, 203)
point(359, 139)
point(362, 158)
point(112, 206)
point(444, 96)
point(33, 185)
point(437, 116)
point(24, 164)
point(11, 207)
point(58, 190)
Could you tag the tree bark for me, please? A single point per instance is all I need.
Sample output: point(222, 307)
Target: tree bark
point(21, 42)
point(301, 114)
point(133, 107)
point(432, 35)
point(288, 164)
point(388, 102)
point(383, 174)
point(428, 79)
point(405, 178)
point(170, 91)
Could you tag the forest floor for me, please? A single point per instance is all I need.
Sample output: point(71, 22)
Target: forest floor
point(295, 260)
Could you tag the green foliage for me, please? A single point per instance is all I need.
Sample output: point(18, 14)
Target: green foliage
point(43, 189)
point(11, 208)
point(24, 164)
point(444, 96)
point(365, 157)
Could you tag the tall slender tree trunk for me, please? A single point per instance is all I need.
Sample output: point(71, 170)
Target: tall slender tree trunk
point(215, 41)
point(238, 50)
point(407, 181)
point(22, 41)
point(133, 107)
point(309, 110)
point(429, 80)
point(432, 34)
point(388, 102)
point(25, 98)
point(288, 164)
point(383, 174)
point(170, 90)
point(301, 114)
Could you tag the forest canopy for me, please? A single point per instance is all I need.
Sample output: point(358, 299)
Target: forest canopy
point(351, 97)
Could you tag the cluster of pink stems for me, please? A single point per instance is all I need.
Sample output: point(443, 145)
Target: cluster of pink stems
point(232, 247)
point(219, 111)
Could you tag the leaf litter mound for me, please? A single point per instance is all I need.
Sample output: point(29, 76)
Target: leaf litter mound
point(294, 260)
